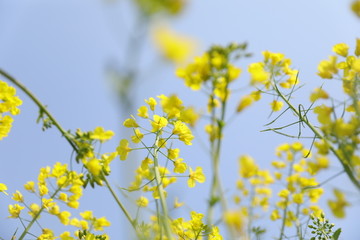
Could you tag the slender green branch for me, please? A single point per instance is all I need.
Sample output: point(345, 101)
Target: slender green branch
point(117, 200)
point(160, 189)
point(40, 105)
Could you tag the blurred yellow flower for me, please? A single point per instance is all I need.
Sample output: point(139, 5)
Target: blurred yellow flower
point(338, 205)
point(173, 46)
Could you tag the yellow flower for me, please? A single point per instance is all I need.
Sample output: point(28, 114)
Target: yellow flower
point(338, 206)
point(196, 176)
point(248, 167)
point(245, 102)
point(143, 112)
point(196, 73)
point(275, 215)
point(173, 46)
point(324, 113)
point(152, 103)
point(171, 105)
point(123, 149)
point(136, 138)
point(34, 209)
point(94, 166)
point(100, 134)
point(298, 198)
point(64, 217)
point(3, 188)
point(341, 49)
point(5, 126)
point(43, 190)
point(357, 49)
point(173, 153)
point(142, 202)
point(15, 210)
point(177, 204)
point(130, 123)
point(87, 215)
point(327, 68)
point(318, 93)
point(189, 115)
point(284, 193)
point(355, 7)
point(179, 166)
point(158, 123)
point(235, 219)
point(18, 197)
point(100, 223)
point(276, 105)
point(215, 234)
point(258, 74)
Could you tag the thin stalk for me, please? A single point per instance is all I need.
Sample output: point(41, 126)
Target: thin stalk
point(346, 167)
point(41, 107)
point(216, 192)
point(286, 205)
point(298, 225)
point(118, 202)
point(160, 188)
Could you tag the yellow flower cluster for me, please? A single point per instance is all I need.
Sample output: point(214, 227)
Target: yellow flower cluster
point(255, 193)
point(170, 125)
point(182, 229)
point(96, 164)
point(341, 130)
point(301, 187)
point(68, 190)
point(8, 104)
point(56, 185)
point(273, 71)
point(347, 69)
point(173, 46)
point(213, 72)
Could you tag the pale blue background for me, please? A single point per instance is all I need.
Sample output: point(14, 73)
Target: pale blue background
point(60, 50)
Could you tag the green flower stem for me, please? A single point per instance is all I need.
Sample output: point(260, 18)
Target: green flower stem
point(117, 200)
point(285, 210)
point(40, 105)
point(27, 229)
point(68, 138)
point(216, 191)
point(160, 188)
point(346, 167)
point(298, 224)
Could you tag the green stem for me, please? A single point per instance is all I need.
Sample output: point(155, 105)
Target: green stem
point(117, 200)
point(216, 191)
point(160, 189)
point(40, 105)
point(286, 205)
point(346, 167)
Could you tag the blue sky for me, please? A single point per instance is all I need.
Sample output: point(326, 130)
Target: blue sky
point(61, 50)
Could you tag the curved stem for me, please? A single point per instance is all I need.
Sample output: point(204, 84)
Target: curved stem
point(40, 105)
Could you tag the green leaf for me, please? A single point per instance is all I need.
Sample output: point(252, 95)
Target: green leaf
point(336, 234)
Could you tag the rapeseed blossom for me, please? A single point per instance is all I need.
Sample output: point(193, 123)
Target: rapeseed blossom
point(9, 104)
